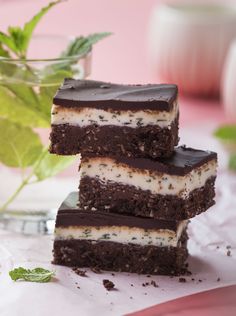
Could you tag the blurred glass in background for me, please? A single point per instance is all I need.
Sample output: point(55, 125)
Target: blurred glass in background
point(188, 44)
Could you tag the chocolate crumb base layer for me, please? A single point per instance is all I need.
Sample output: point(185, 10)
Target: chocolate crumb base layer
point(142, 142)
point(125, 199)
point(112, 256)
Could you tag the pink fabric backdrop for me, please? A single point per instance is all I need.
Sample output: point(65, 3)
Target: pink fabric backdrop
point(121, 58)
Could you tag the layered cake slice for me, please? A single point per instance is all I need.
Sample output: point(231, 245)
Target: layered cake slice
point(174, 188)
point(117, 242)
point(112, 119)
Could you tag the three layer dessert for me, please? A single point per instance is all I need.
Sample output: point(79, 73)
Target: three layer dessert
point(137, 190)
point(92, 117)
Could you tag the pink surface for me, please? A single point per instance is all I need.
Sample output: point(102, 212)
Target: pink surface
point(210, 235)
point(216, 302)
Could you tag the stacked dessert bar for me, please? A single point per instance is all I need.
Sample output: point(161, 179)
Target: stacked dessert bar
point(137, 190)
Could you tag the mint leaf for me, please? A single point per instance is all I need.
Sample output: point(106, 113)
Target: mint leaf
point(232, 162)
point(8, 42)
point(19, 146)
point(17, 37)
point(3, 52)
point(51, 165)
point(226, 133)
point(31, 25)
point(16, 110)
point(79, 46)
point(35, 275)
point(17, 40)
point(25, 93)
point(82, 45)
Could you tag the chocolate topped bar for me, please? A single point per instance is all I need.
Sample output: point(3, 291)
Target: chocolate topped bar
point(118, 243)
point(176, 188)
point(69, 214)
point(98, 118)
point(181, 162)
point(103, 95)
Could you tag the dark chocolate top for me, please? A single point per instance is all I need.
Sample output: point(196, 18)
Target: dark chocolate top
point(182, 161)
point(69, 214)
point(102, 95)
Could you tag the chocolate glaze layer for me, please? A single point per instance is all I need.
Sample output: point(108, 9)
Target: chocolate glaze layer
point(103, 95)
point(181, 162)
point(69, 214)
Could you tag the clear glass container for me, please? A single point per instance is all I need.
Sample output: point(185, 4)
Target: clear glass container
point(25, 85)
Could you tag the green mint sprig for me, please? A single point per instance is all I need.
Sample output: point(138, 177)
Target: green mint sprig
point(24, 108)
point(39, 275)
point(232, 162)
point(227, 135)
point(17, 39)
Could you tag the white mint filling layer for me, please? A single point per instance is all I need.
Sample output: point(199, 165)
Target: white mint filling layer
point(123, 234)
point(106, 169)
point(86, 116)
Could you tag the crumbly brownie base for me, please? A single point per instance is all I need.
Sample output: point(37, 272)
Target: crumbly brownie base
point(111, 256)
point(144, 141)
point(124, 199)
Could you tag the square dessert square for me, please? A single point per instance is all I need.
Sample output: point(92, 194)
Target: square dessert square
point(104, 119)
point(117, 242)
point(175, 188)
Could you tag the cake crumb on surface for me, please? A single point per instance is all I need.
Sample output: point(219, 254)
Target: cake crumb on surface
point(109, 285)
point(96, 270)
point(80, 272)
point(154, 283)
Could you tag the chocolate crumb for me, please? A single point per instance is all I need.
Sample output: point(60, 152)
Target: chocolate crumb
point(182, 280)
point(96, 270)
point(78, 287)
point(113, 274)
point(228, 247)
point(109, 285)
point(193, 279)
point(218, 280)
point(131, 297)
point(148, 276)
point(228, 253)
point(145, 293)
point(199, 280)
point(217, 247)
point(80, 272)
point(143, 284)
point(131, 285)
point(154, 283)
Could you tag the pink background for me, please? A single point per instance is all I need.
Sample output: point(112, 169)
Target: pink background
point(123, 57)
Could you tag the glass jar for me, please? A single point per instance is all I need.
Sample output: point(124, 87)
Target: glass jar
point(27, 88)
